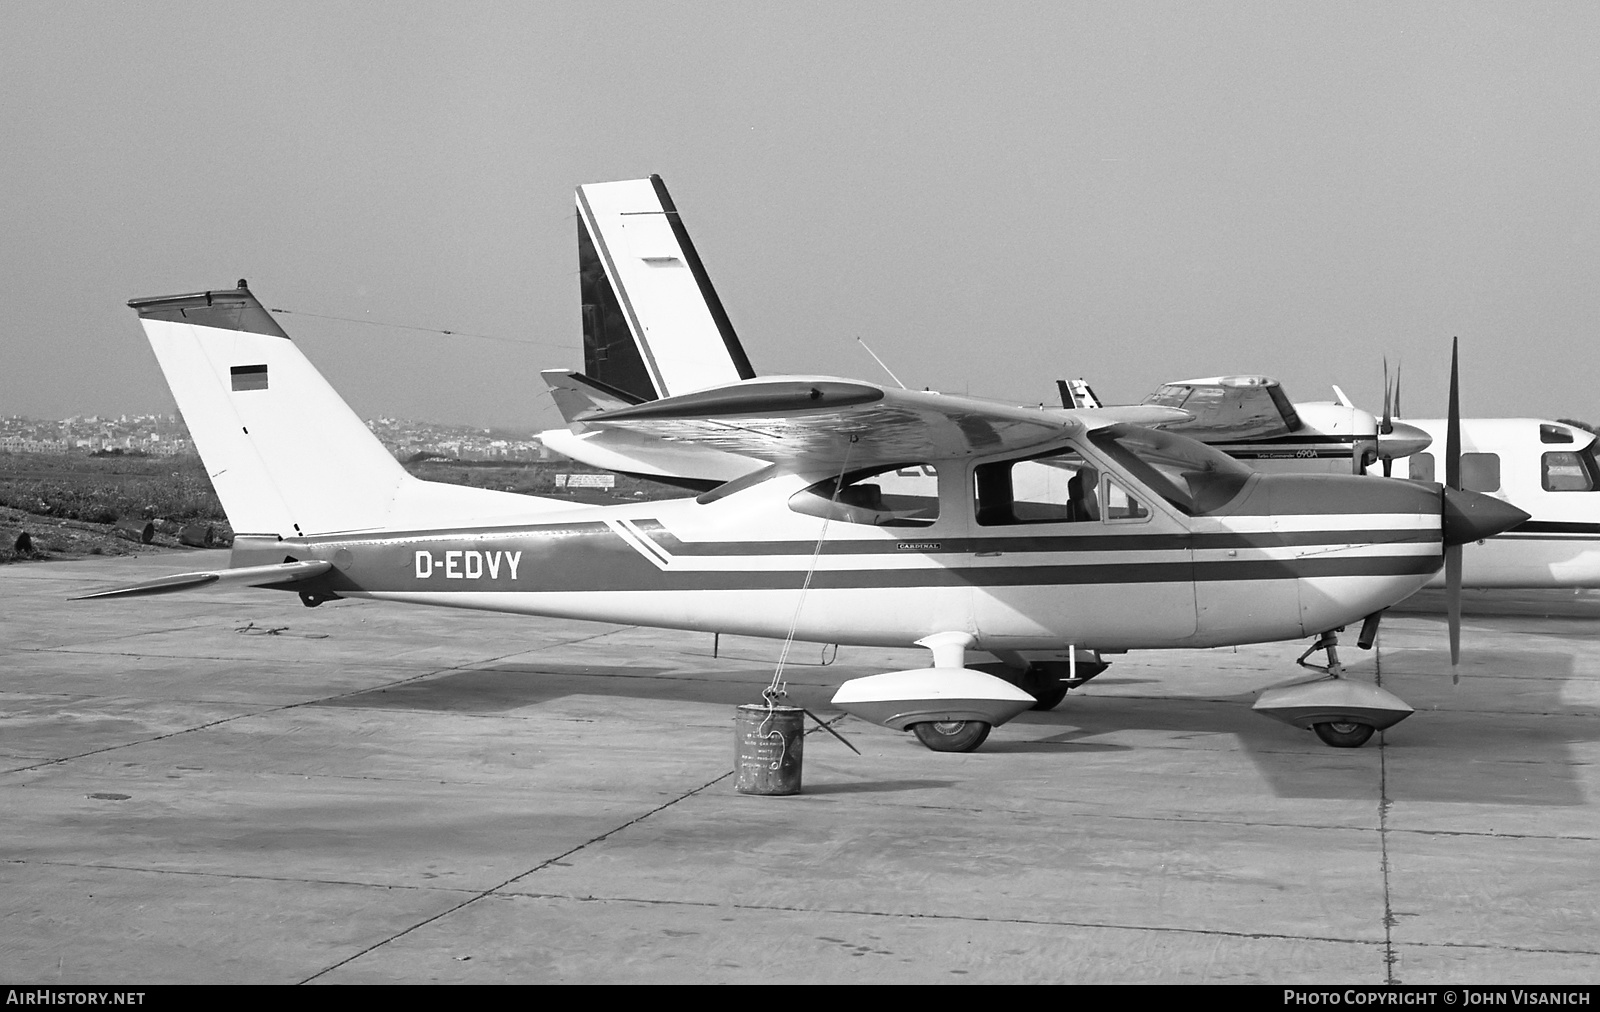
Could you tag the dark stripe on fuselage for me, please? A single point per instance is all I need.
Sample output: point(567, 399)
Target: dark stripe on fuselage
point(1554, 527)
point(1116, 540)
point(1228, 445)
point(576, 558)
point(1334, 453)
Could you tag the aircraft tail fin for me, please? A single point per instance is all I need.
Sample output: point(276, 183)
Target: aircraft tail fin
point(653, 325)
point(1077, 394)
point(285, 454)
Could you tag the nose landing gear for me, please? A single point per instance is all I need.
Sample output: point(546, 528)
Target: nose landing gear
point(1343, 713)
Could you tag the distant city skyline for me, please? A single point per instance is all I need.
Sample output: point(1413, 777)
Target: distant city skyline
point(992, 196)
point(164, 434)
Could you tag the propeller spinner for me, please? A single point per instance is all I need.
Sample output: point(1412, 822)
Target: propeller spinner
point(1396, 439)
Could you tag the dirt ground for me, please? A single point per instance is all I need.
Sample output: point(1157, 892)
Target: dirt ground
point(58, 539)
point(74, 501)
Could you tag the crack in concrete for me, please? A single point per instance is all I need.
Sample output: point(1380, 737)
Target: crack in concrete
point(236, 876)
point(287, 706)
point(536, 868)
point(1040, 922)
point(1389, 956)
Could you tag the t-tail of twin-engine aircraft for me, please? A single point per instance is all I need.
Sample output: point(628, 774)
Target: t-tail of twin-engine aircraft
point(653, 327)
point(1025, 541)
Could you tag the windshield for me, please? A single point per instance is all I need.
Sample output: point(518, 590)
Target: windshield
point(1191, 475)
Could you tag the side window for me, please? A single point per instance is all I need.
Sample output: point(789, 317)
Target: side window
point(903, 495)
point(1480, 472)
point(1061, 488)
point(1119, 506)
point(1567, 471)
point(1421, 465)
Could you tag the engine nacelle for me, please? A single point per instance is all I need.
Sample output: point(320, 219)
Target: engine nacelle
point(898, 699)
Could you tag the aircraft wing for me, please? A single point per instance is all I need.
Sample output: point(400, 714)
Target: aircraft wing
point(822, 422)
point(1151, 415)
point(276, 574)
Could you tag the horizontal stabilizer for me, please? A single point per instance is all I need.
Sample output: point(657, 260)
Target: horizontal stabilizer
point(250, 576)
point(649, 456)
point(576, 394)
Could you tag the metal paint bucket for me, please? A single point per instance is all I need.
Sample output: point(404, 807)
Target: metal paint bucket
point(197, 535)
point(768, 746)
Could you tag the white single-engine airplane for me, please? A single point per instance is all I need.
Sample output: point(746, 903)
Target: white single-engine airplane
point(1146, 540)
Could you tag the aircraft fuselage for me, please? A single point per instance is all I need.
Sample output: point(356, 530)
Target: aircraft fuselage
point(1289, 556)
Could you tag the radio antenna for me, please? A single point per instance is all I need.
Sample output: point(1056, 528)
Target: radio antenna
point(878, 360)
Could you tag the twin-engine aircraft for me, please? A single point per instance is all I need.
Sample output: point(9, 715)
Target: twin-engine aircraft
point(1547, 468)
point(652, 332)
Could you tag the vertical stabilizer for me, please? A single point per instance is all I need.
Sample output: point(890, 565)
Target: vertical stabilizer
point(1077, 394)
point(653, 325)
point(286, 455)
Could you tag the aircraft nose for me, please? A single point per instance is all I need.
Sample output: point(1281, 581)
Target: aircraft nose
point(1472, 516)
point(1402, 441)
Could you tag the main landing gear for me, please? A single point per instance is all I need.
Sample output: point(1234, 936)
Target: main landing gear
point(951, 735)
point(1343, 713)
point(949, 707)
point(1048, 682)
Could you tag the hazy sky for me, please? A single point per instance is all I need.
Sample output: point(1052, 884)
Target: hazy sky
point(991, 195)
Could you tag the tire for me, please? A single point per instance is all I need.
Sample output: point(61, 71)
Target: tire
point(1343, 734)
point(951, 735)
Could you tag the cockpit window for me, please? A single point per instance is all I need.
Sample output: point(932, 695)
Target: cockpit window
point(1191, 475)
point(1172, 395)
point(902, 495)
point(1570, 470)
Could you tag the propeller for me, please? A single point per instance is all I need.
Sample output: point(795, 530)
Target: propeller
point(1396, 439)
point(1466, 515)
point(1452, 480)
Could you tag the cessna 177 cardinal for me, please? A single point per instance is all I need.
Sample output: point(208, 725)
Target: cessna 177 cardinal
point(1143, 540)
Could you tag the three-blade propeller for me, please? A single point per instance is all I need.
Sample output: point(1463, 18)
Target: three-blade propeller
point(1396, 439)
